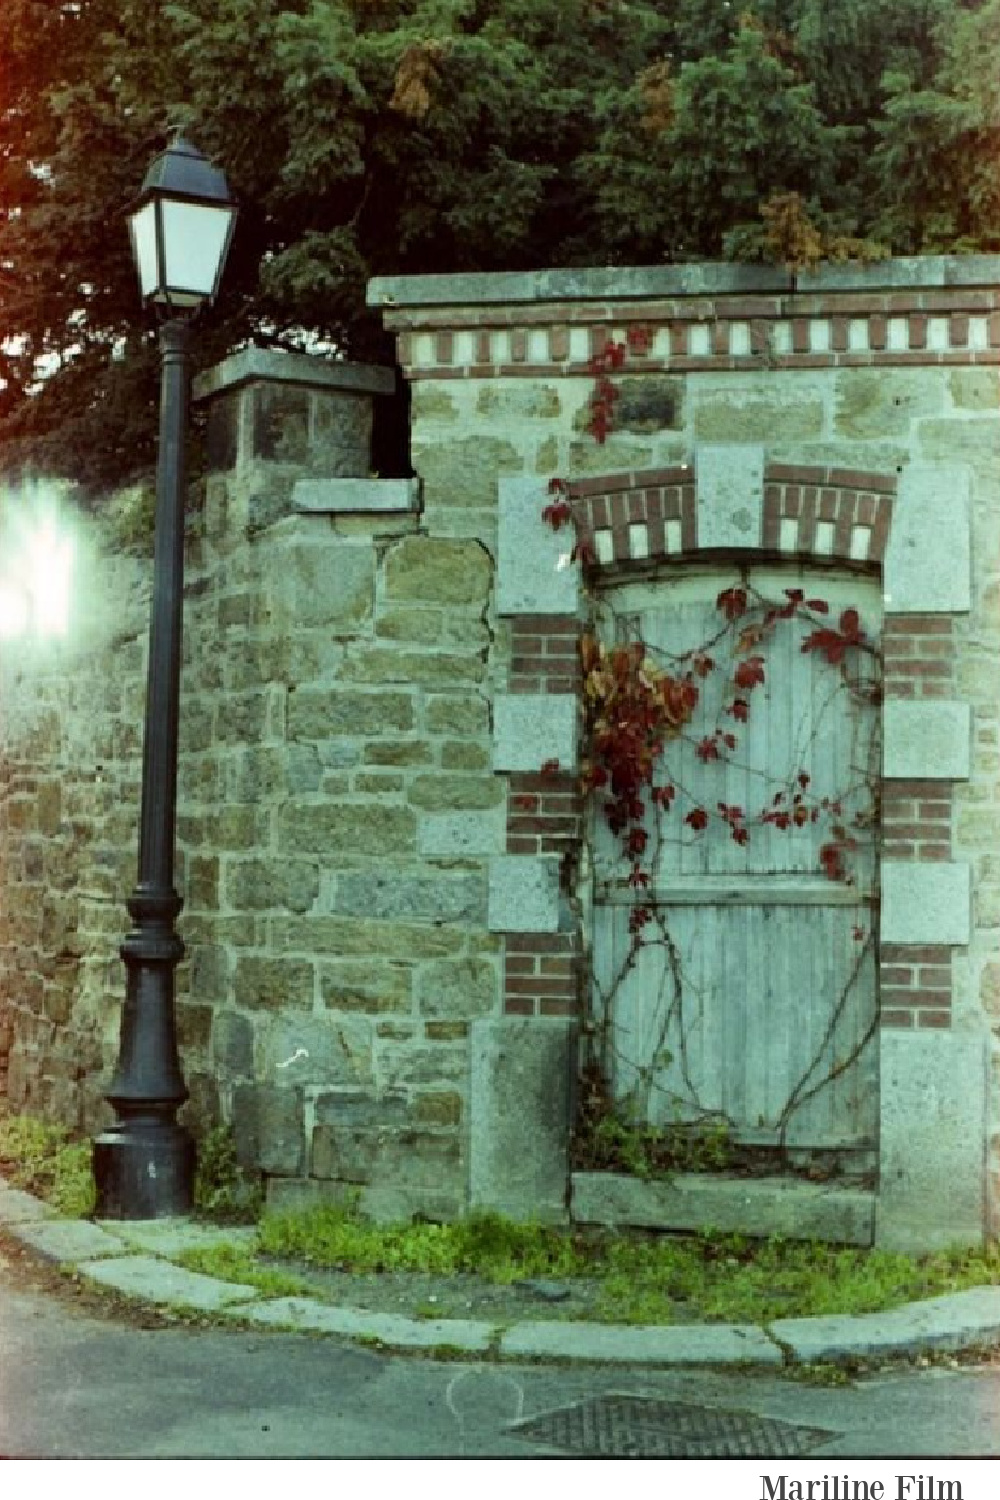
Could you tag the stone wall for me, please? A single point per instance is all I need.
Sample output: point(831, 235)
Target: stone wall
point(336, 805)
point(384, 916)
point(849, 416)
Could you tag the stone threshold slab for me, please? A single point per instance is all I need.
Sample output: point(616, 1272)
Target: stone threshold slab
point(388, 1328)
point(618, 1343)
point(760, 1207)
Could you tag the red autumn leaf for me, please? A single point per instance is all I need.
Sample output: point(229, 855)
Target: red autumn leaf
point(795, 595)
point(598, 426)
point(637, 840)
point(639, 339)
point(638, 877)
point(708, 749)
point(829, 643)
point(732, 602)
point(819, 606)
point(558, 486)
point(800, 816)
point(804, 779)
point(703, 664)
point(850, 624)
point(739, 709)
point(549, 767)
point(729, 740)
point(740, 835)
point(749, 672)
point(663, 796)
point(557, 515)
point(697, 819)
point(615, 354)
point(782, 820)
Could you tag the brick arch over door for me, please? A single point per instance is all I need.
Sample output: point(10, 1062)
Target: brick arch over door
point(820, 514)
point(824, 514)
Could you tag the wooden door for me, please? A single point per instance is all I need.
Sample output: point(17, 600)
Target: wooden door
point(752, 999)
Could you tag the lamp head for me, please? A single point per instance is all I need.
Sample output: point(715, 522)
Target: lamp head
point(181, 228)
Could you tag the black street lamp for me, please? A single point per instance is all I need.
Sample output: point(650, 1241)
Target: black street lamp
point(144, 1164)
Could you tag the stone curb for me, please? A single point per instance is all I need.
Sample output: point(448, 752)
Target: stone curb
point(111, 1256)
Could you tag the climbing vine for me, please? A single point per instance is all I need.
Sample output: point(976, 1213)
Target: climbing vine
point(638, 705)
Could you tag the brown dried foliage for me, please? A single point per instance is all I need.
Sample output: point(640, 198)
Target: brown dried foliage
point(417, 75)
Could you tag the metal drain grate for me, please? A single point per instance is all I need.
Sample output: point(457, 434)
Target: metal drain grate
point(644, 1427)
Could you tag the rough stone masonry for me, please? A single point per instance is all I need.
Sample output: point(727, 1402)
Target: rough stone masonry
point(384, 973)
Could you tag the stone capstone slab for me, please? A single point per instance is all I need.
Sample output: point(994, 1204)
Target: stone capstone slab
point(925, 903)
point(524, 893)
point(534, 576)
point(520, 1111)
point(730, 494)
point(929, 740)
point(70, 1239)
point(927, 560)
point(158, 1281)
point(738, 1205)
point(612, 1343)
point(298, 369)
point(950, 1322)
point(385, 1328)
point(532, 728)
point(932, 1129)
point(355, 496)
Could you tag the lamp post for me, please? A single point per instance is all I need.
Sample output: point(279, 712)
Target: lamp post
point(181, 228)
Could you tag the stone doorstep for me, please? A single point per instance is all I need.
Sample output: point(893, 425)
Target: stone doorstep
point(731, 1205)
point(170, 1237)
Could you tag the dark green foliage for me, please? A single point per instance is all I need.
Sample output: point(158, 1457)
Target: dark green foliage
point(368, 137)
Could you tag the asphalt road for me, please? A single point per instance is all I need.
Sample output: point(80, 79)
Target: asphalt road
point(80, 1377)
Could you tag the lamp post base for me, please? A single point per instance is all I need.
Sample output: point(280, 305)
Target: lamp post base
point(144, 1169)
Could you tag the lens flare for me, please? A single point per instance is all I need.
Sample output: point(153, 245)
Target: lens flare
point(36, 568)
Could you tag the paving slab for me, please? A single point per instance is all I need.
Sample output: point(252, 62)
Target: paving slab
point(17, 1207)
point(159, 1281)
point(949, 1322)
point(173, 1236)
point(388, 1328)
point(721, 1344)
point(70, 1239)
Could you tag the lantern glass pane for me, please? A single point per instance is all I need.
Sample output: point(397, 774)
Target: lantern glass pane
point(195, 236)
point(143, 227)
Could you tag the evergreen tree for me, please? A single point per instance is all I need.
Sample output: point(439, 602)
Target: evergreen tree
point(367, 137)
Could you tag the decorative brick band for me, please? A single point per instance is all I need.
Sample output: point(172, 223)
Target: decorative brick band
point(541, 974)
point(632, 517)
point(545, 655)
point(859, 329)
point(827, 513)
point(919, 653)
point(917, 820)
point(915, 986)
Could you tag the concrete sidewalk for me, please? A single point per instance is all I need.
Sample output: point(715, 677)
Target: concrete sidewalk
point(136, 1260)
